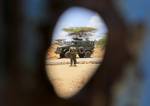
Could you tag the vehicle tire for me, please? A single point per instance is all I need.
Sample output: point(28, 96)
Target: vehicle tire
point(81, 55)
point(87, 54)
point(61, 55)
point(67, 54)
point(81, 52)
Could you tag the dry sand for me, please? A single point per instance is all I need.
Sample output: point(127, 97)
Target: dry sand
point(67, 80)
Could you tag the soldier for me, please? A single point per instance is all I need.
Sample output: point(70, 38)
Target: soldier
point(73, 52)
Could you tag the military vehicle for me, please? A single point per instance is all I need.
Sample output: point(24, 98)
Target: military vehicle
point(84, 48)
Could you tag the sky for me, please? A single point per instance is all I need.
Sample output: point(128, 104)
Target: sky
point(78, 17)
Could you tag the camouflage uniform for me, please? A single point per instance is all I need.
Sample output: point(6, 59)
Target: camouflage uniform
point(72, 56)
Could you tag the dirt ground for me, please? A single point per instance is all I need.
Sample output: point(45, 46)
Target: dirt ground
point(68, 80)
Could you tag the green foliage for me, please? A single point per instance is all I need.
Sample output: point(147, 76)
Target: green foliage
point(102, 42)
point(81, 31)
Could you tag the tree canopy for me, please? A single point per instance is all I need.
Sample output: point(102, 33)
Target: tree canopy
point(80, 31)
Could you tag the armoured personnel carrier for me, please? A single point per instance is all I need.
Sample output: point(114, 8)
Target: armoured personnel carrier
point(84, 48)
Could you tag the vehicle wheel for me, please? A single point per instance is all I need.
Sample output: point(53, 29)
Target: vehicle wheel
point(67, 54)
point(61, 55)
point(87, 54)
point(81, 52)
point(81, 55)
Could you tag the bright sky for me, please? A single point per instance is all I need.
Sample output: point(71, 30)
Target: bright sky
point(78, 17)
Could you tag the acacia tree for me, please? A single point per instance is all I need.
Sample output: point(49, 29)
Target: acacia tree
point(77, 32)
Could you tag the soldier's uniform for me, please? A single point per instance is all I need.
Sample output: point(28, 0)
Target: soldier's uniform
point(73, 52)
